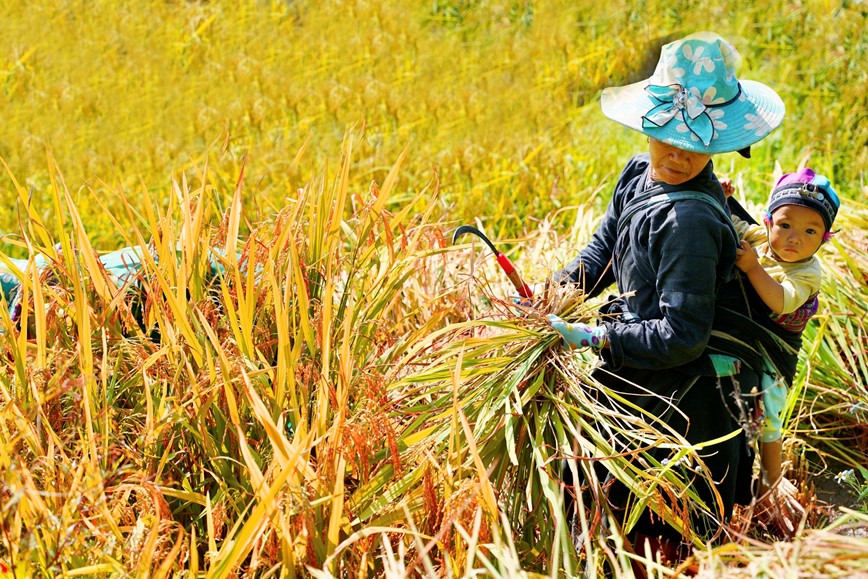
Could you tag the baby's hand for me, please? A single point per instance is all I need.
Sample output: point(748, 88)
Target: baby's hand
point(746, 258)
point(728, 187)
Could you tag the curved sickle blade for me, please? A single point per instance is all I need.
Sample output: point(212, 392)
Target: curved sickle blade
point(470, 229)
point(508, 268)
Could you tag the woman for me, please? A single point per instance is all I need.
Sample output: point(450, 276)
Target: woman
point(667, 242)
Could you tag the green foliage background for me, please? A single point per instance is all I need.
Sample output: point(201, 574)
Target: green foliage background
point(497, 99)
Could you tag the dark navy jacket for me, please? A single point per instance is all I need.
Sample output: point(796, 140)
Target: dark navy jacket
point(669, 262)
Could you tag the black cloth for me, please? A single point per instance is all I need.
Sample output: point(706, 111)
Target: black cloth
point(671, 263)
point(740, 312)
point(705, 408)
point(668, 262)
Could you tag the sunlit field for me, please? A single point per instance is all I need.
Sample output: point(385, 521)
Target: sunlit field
point(307, 378)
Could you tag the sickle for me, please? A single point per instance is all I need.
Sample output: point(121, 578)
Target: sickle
point(508, 268)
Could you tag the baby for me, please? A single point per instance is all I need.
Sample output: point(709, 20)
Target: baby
point(778, 259)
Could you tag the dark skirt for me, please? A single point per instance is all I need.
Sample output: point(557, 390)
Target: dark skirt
point(702, 408)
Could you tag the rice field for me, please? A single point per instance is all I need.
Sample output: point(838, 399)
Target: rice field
point(306, 377)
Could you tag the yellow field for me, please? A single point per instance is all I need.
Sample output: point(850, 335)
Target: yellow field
point(496, 99)
point(307, 378)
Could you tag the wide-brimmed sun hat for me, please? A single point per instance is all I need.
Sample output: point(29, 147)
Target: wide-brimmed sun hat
point(695, 102)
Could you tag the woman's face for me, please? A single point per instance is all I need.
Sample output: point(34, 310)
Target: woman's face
point(675, 166)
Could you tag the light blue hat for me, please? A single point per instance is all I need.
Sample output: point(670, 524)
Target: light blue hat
point(694, 101)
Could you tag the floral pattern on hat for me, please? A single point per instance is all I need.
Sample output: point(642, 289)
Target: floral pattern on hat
point(695, 101)
point(717, 124)
point(699, 62)
point(757, 124)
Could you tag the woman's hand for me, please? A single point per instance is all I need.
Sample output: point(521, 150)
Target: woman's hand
point(579, 335)
point(538, 291)
point(779, 506)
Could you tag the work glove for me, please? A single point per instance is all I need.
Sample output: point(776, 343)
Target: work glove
point(579, 335)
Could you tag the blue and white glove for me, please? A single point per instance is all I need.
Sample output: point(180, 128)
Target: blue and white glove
point(579, 335)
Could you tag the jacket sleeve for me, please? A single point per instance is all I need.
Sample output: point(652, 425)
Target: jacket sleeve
point(800, 283)
point(690, 246)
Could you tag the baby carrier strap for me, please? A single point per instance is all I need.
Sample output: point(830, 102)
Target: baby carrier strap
point(656, 196)
point(796, 320)
point(742, 328)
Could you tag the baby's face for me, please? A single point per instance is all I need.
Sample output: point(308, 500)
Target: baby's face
point(796, 232)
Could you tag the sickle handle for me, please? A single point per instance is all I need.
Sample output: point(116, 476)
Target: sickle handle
point(522, 288)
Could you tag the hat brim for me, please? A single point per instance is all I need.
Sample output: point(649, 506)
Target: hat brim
point(755, 113)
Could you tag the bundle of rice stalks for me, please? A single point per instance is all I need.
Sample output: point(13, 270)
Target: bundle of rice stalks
point(499, 405)
point(505, 404)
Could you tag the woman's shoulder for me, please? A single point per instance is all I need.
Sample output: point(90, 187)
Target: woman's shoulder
point(637, 164)
point(631, 178)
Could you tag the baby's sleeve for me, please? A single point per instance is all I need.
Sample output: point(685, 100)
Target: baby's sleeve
point(750, 232)
point(800, 284)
